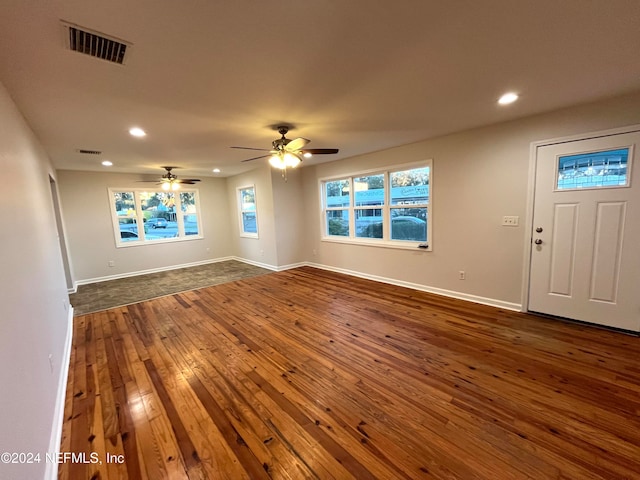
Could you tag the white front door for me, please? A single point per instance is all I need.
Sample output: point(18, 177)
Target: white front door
point(585, 257)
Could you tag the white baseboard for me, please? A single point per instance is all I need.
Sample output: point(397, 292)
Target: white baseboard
point(424, 288)
point(51, 472)
point(87, 281)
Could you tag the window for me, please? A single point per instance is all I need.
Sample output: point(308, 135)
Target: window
point(602, 169)
point(141, 216)
point(387, 208)
point(248, 212)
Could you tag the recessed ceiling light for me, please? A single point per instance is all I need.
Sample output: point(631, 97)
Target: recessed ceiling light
point(216, 170)
point(107, 163)
point(137, 132)
point(508, 98)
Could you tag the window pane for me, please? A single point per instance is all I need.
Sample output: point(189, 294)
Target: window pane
point(337, 194)
point(249, 224)
point(128, 229)
point(593, 170)
point(369, 223)
point(410, 186)
point(126, 211)
point(189, 213)
point(159, 212)
point(369, 190)
point(409, 224)
point(248, 199)
point(337, 223)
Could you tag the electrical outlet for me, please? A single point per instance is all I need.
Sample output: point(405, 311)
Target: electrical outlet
point(112, 263)
point(461, 275)
point(510, 221)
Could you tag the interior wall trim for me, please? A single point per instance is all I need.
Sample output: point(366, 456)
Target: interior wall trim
point(517, 307)
point(87, 281)
point(424, 288)
point(51, 472)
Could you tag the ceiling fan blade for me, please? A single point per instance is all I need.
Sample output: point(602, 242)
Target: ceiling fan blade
point(256, 158)
point(249, 148)
point(320, 151)
point(187, 180)
point(296, 144)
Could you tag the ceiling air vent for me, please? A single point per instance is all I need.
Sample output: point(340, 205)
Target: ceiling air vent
point(89, 152)
point(98, 45)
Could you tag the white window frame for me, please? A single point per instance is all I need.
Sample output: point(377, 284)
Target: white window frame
point(385, 241)
point(139, 217)
point(242, 210)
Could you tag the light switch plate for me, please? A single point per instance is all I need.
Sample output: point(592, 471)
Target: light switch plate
point(510, 221)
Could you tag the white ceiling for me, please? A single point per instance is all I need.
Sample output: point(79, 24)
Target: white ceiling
point(358, 75)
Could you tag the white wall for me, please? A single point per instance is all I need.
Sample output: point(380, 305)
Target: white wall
point(87, 215)
point(261, 250)
point(288, 208)
point(478, 177)
point(34, 320)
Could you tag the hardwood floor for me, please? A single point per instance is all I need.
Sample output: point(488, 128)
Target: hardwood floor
point(310, 374)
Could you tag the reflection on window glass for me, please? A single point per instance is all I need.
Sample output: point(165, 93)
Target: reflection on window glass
point(337, 223)
point(410, 186)
point(369, 191)
point(593, 170)
point(337, 194)
point(248, 215)
point(189, 213)
point(369, 223)
point(409, 224)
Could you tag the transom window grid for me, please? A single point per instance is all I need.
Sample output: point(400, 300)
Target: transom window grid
point(597, 169)
point(143, 217)
point(388, 208)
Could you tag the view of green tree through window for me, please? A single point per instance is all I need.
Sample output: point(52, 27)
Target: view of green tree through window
point(142, 216)
point(389, 207)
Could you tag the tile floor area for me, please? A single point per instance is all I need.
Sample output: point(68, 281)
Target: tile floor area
point(124, 291)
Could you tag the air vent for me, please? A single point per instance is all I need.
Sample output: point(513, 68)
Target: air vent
point(98, 45)
point(89, 152)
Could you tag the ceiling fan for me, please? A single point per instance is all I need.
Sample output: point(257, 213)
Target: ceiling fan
point(288, 153)
point(170, 181)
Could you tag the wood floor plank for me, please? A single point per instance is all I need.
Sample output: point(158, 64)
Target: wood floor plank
point(312, 374)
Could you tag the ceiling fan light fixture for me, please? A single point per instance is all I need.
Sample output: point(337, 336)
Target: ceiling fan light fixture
point(166, 186)
point(175, 186)
point(307, 155)
point(291, 160)
point(276, 161)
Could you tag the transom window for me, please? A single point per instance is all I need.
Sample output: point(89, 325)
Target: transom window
point(601, 169)
point(143, 216)
point(386, 208)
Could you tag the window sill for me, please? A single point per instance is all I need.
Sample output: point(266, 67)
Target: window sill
point(378, 243)
point(249, 235)
point(141, 243)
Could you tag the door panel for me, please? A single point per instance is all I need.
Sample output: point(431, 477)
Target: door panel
point(585, 259)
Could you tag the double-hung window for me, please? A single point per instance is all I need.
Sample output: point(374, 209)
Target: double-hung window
point(248, 211)
point(389, 207)
point(143, 216)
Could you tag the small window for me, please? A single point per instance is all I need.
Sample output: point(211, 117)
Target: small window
point(602, 169)
point(248, 212)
